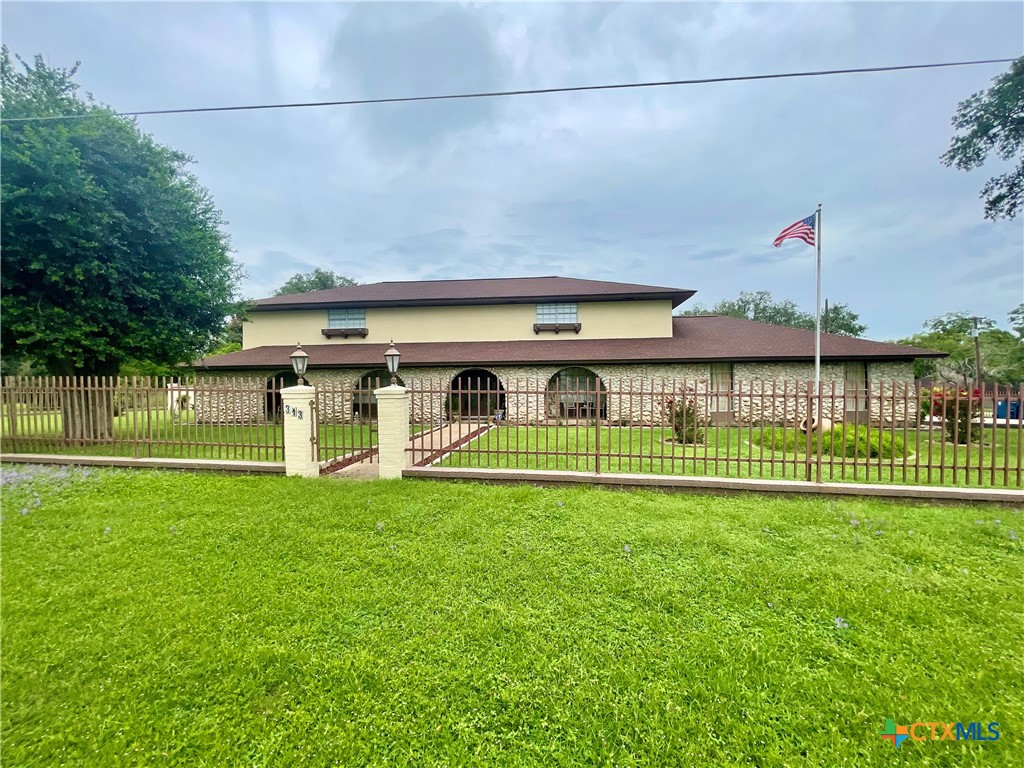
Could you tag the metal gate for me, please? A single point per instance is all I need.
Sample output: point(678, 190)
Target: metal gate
point(344, 424)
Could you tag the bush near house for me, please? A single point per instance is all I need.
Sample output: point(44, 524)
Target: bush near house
point(862, 442)
point(688, 418)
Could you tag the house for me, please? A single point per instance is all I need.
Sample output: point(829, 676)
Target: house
point(555, 334)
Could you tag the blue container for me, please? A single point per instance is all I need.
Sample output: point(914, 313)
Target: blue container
point(1006, 409)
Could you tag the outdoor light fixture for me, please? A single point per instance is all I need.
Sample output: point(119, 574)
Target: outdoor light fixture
point(299, 362)
point(392, 357)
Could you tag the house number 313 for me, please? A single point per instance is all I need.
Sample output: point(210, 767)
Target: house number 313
point(296, 412)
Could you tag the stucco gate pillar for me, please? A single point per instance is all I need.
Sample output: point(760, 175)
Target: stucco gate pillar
point(297, 412)
point(392, 430)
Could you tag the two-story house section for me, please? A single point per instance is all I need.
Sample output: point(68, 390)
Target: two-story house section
point(556, 332)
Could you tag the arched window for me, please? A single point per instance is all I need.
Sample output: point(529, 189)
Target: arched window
point(476, 393)
point(275, 384)
point(575, 393)
point(364, 402)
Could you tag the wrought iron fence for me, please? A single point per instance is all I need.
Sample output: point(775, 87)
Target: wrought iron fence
point(143, 417)
point(887, 432)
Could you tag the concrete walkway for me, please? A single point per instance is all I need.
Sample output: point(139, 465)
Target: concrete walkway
point(432, 444)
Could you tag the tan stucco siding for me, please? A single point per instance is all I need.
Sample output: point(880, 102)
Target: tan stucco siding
point(505, 322)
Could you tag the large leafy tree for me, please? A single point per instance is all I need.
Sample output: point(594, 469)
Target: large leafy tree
point(317, 280)
point(112, 250)
point(764, 308)
point(992, 123)
point(1002, 352)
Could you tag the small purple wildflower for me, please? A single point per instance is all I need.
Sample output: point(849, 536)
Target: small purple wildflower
point(841, 623)
point(561, 504)
point(628, 549)
point(24, 511)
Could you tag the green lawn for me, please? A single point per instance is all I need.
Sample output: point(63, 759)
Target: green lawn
point(161, 434)
point(173, 619)
point(731, 452)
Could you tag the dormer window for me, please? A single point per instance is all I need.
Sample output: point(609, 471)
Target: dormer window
point(345, 323)
point(557, 317)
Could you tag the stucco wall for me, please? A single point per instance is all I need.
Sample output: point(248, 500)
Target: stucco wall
point(772, 392)
point(498, 322)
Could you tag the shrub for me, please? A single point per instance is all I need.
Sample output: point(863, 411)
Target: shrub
point(688, 420)
point(957, 409)
point(861, 443)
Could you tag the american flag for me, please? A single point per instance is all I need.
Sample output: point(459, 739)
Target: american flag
point(802, 230)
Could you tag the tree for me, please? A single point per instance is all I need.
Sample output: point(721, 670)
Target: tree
point(1002, 352)
point(993, 122)
point(1016, 317)
point(112, 250)
point(762, 307)
point(317, 280)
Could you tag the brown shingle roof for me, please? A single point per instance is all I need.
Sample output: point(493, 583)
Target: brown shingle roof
point(487, 291)
point(695, 339)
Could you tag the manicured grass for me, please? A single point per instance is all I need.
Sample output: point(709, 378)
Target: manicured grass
point(734, 452)
point(175, 619)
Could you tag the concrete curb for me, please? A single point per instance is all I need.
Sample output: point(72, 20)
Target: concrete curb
point(208, 465)
point(725, 485)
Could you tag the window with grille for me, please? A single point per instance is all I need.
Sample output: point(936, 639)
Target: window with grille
point(721, 387)
point(855, 385)
point(562, 313)
point(346, 318)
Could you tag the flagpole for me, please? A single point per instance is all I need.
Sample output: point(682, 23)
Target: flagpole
point(817, 305)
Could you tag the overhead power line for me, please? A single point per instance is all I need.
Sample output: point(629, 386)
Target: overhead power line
point(525, 92)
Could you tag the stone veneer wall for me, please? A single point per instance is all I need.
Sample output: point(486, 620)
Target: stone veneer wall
point(760, 380)
point(637, 391)
point(893, 379)
point(230, 398)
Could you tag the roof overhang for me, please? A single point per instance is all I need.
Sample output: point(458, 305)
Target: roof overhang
point(676, 297)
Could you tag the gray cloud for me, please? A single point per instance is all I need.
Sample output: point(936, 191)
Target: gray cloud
point(681, 186)
point(415, 49)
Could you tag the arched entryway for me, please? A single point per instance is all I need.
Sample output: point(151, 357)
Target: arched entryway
point(575, 393)
point(275, 384)
point(364, 402)
point(476, 393)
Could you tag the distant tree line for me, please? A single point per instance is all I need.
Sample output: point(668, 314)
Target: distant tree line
point(764, 308)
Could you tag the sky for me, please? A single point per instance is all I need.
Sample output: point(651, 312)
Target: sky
point(683, 186)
